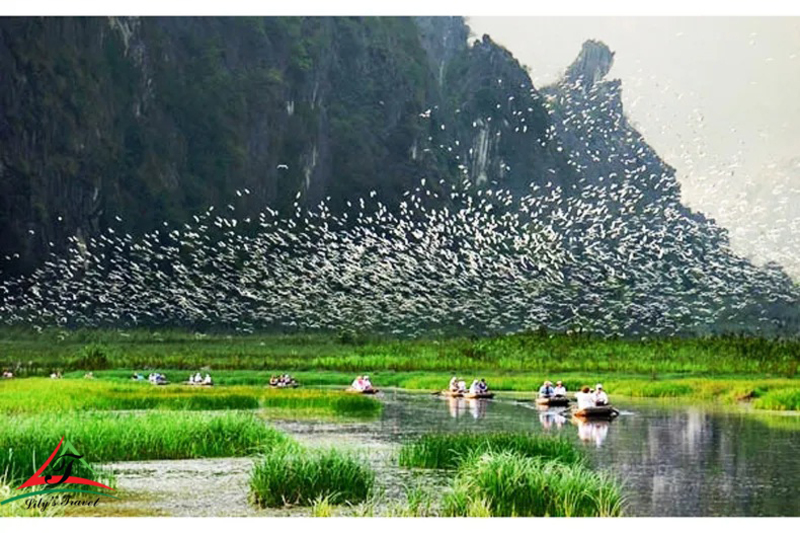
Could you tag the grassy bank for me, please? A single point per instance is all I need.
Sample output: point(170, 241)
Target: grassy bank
point(450, 450)
point(310, 477)
point(26, 441)
point(43, 395)
point(245, 389)
point(719, 368)
point(29, 352)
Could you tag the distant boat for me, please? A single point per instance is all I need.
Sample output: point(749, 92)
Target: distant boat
point(478, 395)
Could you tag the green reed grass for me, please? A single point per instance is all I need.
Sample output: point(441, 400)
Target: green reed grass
point(41, 395)
point(29, 352)
point(450, 450)
point(780, 400)
point(305, 477)
point(507, 484)
point(336, 403)
point(25, 442)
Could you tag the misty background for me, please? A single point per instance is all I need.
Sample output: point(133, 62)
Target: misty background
point(717, 97)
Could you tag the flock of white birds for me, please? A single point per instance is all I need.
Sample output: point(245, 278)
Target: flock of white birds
point(554, 261)
point(608, 258)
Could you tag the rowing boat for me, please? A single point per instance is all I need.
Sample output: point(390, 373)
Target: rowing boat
point(451, 394)
point(604, 411)
point(478, 395)
point(554, 401)
point(356, 391)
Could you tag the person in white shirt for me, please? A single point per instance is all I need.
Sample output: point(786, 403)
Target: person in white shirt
point(559, 390)
point(462, 386)
point(367, 384)
point(198, 378)
point(600, 397)
point(475, 387)
point(358, 384)
point(585, 398)
point(453, 384)
point(207, 380)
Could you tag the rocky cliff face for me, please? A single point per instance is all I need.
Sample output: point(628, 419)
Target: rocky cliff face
point(152, 120)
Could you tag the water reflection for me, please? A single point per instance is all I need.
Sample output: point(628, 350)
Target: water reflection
point(674, 460)
point(592, 430)
point(477, 408)
point(459, 406)
point(549, 418)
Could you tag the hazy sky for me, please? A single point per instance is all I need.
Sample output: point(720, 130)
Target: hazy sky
point(717, 97)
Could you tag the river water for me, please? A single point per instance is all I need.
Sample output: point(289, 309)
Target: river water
point(672, 459)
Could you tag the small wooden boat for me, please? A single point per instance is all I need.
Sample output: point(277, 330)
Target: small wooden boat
point(478, 395)
point(553, 401)
point(451, 394)
point(284, 385)
point(195, 384)
point(355, 391)
point(604, 411)
point(160, 382)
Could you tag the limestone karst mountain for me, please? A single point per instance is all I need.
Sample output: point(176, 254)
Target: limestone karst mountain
point(142, 123)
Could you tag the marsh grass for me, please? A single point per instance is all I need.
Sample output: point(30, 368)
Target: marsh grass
point(41, 395)
point(18, 508)
point(322, 508)
point(507, 484)
point(31, 353)
point(287, 476)
point(335, 403)
point(25, 442)
point(779, 400)
point(442, 450)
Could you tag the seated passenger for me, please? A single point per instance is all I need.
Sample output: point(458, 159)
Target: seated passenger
point(358, 384)
point(585, 398)
point(475, 387)
point(560, 390)
point(367, 383)
point(453, 387)
point(198, 378)
point(273, 381)
point(546, 390)
point(462, 386)
point(600, 397)
point(207, 380)
point(483, 386)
